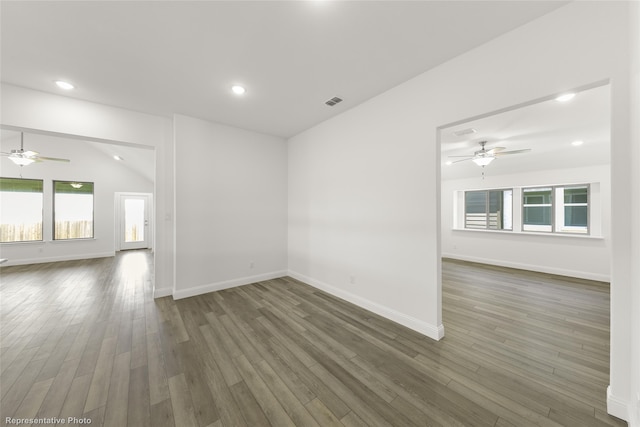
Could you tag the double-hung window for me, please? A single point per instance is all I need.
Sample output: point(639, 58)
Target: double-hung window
point(537, 209)
point(72, 210)
point(559, 209)
point(488, 209)
point(573, 215)
point(21, 204)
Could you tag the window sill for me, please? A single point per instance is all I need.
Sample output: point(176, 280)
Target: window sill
point(89, 239)
point(531, 233)
point(29, 242)
point(43, 242)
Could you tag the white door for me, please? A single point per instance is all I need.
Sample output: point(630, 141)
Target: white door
point(134, 221)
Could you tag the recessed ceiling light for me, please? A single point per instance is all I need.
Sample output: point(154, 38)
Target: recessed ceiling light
point(118, 158)
point(565, 97)
point(577, 143)
point(449, 163)
point(64, 85)
point(238, 90)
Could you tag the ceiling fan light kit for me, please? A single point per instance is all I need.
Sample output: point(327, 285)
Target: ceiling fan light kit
point(24, 158)
point(19, 160)
point(483, 157)
point(483, 161)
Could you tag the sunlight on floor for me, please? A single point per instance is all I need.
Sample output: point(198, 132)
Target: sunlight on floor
point(134, 263)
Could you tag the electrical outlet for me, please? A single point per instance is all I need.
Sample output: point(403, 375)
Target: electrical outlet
point(252, 264)
point(352, 280)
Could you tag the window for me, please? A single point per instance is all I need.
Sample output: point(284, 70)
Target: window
point(536, 209)
point(21, 213)
point(559, 209)
point(554, 209)
point(72, 210)
point(488, 209)
point(574, 215)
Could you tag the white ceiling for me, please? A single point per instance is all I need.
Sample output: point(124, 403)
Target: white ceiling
point(182, 57)
point(548, 128)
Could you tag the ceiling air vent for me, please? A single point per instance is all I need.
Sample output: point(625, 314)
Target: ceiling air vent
point(333, 101)
point(464, 132)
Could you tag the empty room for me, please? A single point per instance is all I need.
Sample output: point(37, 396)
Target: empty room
point(320, 213)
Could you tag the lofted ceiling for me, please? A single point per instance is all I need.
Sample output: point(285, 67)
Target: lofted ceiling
point(138, 160)
point(548, 128)
point(182, 57)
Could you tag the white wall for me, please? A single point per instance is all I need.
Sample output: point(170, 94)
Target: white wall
point(230, 206)
point(87, 164)
point(364, 186)
point(37, 111)
point(576, 256)
point(359, 198)
point(634, 189)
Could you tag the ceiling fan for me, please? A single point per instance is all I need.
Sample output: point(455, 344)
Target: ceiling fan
point(483, 156)
point(23, 158)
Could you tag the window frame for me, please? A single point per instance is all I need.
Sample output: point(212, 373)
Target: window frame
point(487, 208)
point(53, 213)
point(41, 212)
point(556, 205)
point(550, 205)
point(586, 204)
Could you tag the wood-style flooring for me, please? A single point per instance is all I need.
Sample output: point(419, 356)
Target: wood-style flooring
point(85, 339)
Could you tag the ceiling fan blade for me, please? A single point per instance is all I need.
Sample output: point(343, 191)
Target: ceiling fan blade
point(30, 153)
point(461, 156)
point(51, 158)
point(463, 160)
point(513, 152)
point(495, 150)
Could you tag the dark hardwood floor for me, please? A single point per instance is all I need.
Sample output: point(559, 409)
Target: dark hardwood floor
point(85, 339)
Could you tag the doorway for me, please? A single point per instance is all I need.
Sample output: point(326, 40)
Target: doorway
point(505, 259)
point(511, 180)
point(133, 225)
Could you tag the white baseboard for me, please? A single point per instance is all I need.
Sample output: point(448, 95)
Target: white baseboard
point(218, 286)
point(27, 261)
point(617, 407)
point(160, 293)
point(431, 331)
point(531, 267)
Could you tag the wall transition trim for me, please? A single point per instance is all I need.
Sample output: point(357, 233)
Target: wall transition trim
point(160, 293)
point(618, 407)
point(435, 332)
point(26, 261)
point(531, 267)
point(226, 284)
